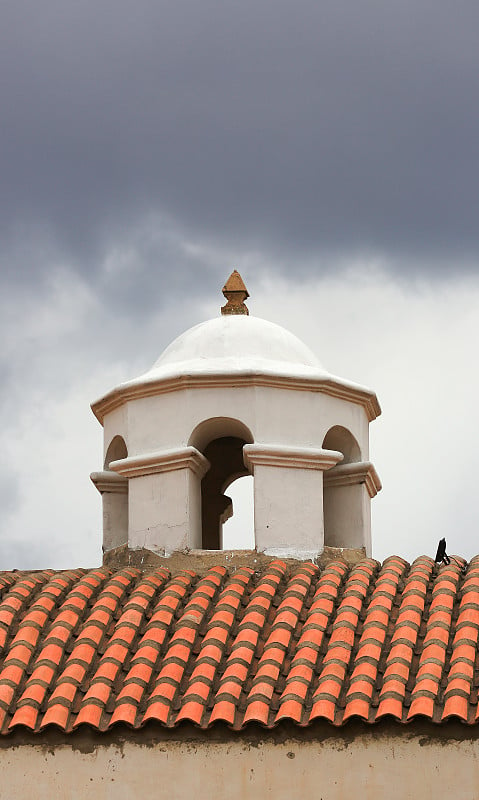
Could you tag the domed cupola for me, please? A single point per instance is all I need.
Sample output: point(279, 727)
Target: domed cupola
point(233, 396)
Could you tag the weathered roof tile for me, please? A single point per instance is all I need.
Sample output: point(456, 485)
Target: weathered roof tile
point(99, 648)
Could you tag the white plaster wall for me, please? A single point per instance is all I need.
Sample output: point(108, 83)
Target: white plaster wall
point(347, 521)
point(396, 768)
point(115, 519)
point(286, 416)
point(115, 424)
point(164, 511)
point(167, 420)
point(164, 515)
point(288, 511)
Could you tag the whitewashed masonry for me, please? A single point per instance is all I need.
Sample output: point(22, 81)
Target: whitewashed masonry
point(232, 396)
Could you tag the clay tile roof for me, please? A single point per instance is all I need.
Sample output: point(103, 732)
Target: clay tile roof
point(300, 643)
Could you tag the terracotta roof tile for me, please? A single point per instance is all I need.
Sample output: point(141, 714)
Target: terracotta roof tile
point(99, 648)
point(278, 645)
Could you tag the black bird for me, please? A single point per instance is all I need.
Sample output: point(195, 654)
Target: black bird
point(441, 555)
point(443, 558)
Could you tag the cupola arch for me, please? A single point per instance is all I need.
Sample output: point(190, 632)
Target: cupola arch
point(216, 428)
point(221, 440)
point(347, 490)
point(340, 438)
point(116, 449)
point(114, 493)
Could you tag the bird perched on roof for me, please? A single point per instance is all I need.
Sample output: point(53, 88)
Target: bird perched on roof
point(443, 558)
point(441, 555)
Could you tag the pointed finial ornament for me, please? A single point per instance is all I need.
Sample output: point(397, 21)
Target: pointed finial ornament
point(236, 293)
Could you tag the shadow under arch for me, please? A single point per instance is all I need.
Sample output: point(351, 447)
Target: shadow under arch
point(342, 499)
point(115, 500)
point(339, 438)
point(117, 450)
point(221, 440)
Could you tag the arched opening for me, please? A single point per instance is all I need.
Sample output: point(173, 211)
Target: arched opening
point(116, 450)
point(221, 440)
point(115, 498)
point(238, 530)
point(342, 496)
point(339, 438)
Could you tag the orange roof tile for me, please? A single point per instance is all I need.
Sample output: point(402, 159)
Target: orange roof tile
point(296, 643)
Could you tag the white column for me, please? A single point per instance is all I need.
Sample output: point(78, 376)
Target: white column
point(288, 498)
point(348, 490)
point(114, 494)
point(164, 499)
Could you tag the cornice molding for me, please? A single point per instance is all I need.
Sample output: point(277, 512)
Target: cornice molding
point(351, 474)
point(271, 455)
point(329, 385)
point(162, 461)
point(107, 481)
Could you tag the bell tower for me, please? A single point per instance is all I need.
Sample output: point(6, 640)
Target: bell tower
point(232, 396)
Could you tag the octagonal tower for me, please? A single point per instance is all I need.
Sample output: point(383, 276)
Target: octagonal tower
point(233, 396)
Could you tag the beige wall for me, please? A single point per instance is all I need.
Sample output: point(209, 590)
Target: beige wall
point(288, 416)
point(366, 766)
point(347, 516)
point(288, 511)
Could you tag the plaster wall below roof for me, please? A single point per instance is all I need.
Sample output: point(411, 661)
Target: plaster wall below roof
point(371, 767)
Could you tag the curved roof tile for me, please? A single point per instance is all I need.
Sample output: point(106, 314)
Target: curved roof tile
point(300, 643)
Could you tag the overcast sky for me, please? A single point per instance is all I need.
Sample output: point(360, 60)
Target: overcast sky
point(328, 150)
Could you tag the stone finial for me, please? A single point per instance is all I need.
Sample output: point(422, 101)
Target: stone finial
point(236, 293)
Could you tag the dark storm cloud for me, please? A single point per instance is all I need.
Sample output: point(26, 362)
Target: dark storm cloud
point(288, 127)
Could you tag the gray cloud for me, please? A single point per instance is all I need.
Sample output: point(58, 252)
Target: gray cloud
point(313, 127)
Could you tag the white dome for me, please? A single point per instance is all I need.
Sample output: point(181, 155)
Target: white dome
point(236, 344)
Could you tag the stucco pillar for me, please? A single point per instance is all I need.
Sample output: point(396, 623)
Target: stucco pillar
point(164, 499)
point(114, 494)
point(348, 489)
point(288, 498)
